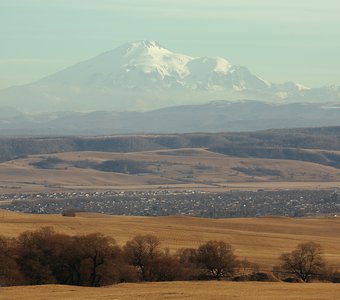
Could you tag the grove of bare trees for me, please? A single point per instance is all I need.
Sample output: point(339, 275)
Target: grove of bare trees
point(47, 257)
point(304, 262)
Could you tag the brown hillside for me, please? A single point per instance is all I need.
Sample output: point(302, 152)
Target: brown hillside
point(165, 169)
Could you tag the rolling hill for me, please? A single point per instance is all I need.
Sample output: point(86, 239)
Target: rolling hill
point(169, 169)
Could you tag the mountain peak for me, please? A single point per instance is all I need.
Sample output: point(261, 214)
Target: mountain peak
point(146, 44)
point(142, 46)
point(144, 75)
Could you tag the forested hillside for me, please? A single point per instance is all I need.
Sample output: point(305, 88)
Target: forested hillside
point(267, 143)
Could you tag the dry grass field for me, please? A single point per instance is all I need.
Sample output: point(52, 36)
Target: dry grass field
point(260, 240)
point(179, 290)
point(167, 169)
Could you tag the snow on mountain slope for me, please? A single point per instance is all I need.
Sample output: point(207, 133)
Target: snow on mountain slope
point(124, 66)
point(145, 64)
point(143, 75)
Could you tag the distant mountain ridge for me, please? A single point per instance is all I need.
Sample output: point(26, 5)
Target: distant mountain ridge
point(217, 116)
point(143, 75)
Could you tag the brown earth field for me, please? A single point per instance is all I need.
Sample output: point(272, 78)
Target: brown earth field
point(260, 240)
point(163, 169)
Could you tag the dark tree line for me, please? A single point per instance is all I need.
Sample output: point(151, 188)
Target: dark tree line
point(307, 138)
point(46, 257)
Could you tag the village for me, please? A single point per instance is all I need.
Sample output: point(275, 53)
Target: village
point(290, 203)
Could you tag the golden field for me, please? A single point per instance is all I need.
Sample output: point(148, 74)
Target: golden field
point(260, 240)
point(179, 290)
point(169, 169)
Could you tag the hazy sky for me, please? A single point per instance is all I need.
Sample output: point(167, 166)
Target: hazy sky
point(278, 40)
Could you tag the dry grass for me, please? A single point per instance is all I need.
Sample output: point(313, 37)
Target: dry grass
point(179, 169)
point(260, 240)
point(179, 290)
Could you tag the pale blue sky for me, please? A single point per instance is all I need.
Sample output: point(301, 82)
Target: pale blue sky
point(278, 40)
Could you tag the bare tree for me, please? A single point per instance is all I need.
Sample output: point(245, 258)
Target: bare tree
point(9, 269)
point(87, 260)
point(98, 254)
point(142, 251)
point(167, 268)
point(45, 256)
point(305, 261)
point(36, 255)
point(191, 269)
point(218, 258)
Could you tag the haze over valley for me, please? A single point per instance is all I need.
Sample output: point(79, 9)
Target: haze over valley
point(169, 149)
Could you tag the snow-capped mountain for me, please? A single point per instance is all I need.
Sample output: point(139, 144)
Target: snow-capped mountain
point(143, 75)
point(146, 65)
